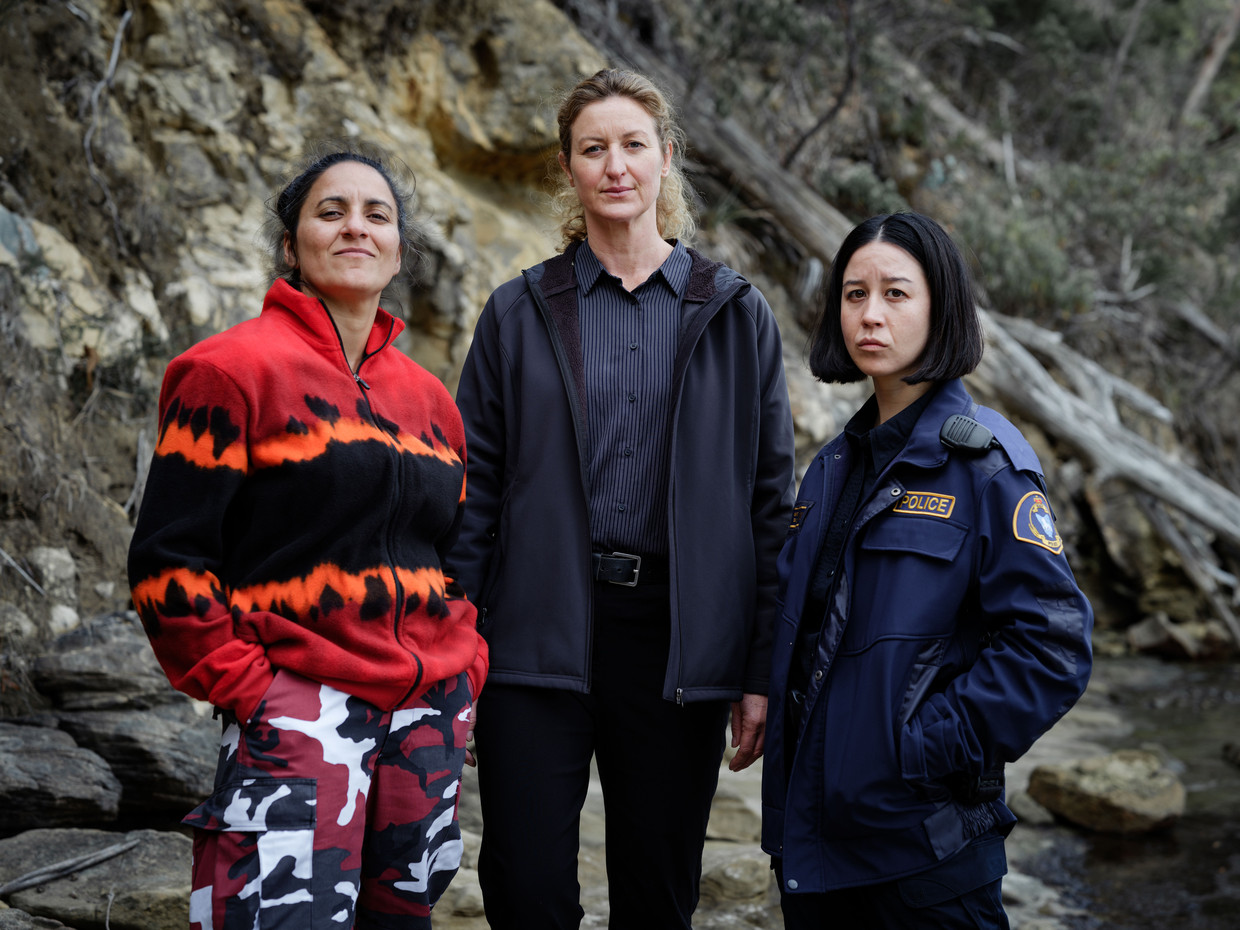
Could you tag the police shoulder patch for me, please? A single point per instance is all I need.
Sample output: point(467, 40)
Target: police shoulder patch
point(798, 514)
point(1034, 523)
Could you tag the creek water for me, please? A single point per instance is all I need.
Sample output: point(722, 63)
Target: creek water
point(1187, 876)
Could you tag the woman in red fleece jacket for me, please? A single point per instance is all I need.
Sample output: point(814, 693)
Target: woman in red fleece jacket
point(286, 563)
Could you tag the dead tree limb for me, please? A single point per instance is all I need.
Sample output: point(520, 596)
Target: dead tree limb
point(1211, 64)
point(1093, 383)
point(1112, 451)
point(65, 867)
point(96, 96)
point(1197, 562)
point(21, 571)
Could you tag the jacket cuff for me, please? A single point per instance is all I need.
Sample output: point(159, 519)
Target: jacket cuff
point(477, 673)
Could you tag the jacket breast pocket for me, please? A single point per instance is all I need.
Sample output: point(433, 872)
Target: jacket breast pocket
point(932, 537)
point(910, 578)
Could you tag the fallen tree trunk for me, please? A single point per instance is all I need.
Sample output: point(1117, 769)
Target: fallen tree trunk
point(1111, 450)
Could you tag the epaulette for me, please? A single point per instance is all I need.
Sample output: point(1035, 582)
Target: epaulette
point(1010, 438)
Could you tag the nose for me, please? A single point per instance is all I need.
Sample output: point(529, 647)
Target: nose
point(354, 223)
point(614, 165)
point(872, 312)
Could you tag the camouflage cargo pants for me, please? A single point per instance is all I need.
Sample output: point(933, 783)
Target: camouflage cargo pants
point(328, 812)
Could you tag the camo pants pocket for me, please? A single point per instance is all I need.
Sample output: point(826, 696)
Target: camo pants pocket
point(253, 856)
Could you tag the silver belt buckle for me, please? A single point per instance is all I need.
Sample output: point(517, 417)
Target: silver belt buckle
point(637, 569)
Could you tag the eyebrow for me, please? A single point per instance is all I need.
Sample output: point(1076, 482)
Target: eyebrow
point(630, 134)
point(886, 280)
point(340, 198)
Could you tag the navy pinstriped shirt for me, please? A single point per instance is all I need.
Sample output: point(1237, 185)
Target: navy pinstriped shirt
point(628, 344)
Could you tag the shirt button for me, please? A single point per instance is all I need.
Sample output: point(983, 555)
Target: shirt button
point(628, 451)
point(792, 884)
point(632, 397)
point(632, 345)
point(621, 508)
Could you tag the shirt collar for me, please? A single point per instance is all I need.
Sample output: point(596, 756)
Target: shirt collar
point(885, 441)
point(674, 271)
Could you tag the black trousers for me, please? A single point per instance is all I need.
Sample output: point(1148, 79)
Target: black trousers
point(658, 763)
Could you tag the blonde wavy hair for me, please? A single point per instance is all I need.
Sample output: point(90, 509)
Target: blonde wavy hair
point(674, 208)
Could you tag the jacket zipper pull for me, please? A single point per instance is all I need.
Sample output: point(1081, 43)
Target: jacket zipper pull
point(680, 696)
point(360, 380)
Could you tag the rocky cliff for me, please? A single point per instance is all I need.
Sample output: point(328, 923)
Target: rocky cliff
point(139, 142)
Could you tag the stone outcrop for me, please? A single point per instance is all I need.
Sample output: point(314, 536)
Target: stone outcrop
point(141, 143)
point(110, 701)
point(143, 888)
point(12, 919)
point(1129, 791)
point(46, 779)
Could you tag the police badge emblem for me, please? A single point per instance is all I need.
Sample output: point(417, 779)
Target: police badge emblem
point(1034, 523)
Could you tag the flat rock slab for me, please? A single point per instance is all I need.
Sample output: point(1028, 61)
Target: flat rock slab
point(13, 919)
point(1130, 791)
point(46, 779)
point(144, 888)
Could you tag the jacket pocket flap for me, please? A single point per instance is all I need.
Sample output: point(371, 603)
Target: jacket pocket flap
point(927, 536)
point(256, 805)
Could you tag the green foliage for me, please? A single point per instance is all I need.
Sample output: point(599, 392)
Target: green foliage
point(1021, 259)
point(856, 189)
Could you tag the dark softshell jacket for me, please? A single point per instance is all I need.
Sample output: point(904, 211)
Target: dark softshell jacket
point(525, 543)
point(954, 637)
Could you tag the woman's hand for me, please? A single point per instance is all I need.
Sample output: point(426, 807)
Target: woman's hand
point(470, 758)
point(748, 730)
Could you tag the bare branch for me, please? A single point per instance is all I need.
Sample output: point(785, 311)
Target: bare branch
point(96, 96)
point(34, 584)
point(1211, 64)
point(65, 867)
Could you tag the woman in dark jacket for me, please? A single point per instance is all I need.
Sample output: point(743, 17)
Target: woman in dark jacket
point(930, 628)
point(630, 481)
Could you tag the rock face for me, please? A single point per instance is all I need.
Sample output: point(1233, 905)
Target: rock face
point(144, 888)
point(1129, 791)
point(46, 779)
point(140, 143)
point(112, 705)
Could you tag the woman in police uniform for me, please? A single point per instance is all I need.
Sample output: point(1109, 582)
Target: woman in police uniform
point(929, 628)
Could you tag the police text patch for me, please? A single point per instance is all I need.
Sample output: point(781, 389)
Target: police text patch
point(1034, 523)
point(798, 514)
point(927, 503)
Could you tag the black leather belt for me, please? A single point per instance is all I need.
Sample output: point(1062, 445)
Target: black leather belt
point(628, 569)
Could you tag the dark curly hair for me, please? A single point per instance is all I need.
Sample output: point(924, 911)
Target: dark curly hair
point(285, 207)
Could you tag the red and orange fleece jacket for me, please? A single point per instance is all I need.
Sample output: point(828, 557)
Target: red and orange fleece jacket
point(295, 516)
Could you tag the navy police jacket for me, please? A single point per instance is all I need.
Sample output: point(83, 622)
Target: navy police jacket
point(523, 554)
point(954, 637)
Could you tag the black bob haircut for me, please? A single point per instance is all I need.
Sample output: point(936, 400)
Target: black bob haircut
point(955, 345)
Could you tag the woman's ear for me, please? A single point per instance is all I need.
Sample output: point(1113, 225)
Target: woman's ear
point(290, 253)
point(667, 160)
point(564, 164)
